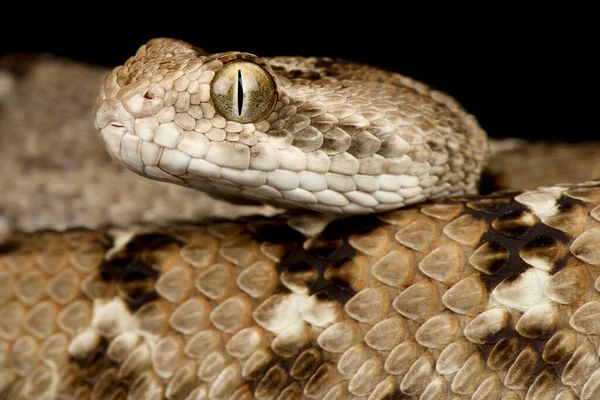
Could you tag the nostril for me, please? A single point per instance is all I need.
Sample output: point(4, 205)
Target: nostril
point(116, 125)
point(149, 95)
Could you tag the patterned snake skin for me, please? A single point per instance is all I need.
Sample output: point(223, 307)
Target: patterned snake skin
point(479, 297)
point(486, 298)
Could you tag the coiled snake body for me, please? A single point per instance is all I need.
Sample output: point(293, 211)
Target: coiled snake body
point(469, 297)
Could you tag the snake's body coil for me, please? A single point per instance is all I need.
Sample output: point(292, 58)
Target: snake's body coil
point(473, 297)
point(487, 299)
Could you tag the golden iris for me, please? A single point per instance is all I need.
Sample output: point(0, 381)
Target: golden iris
point(243, 92)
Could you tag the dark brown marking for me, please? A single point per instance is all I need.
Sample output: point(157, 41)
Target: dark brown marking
point(9, 246)
point(132, 273)
point(519, 238)
point(137, 283)
point(138, 269)
point(274, 231)
point(300, 259)
point(134, 277)
point(335, 251)
point(127, 269)
point(490, 182)
point(329, 250)
point(565, 202)
point(540, 242)
point(497, 263)
point(550, 249)
point(150, 241)
point(513, 223)
point(345, 227)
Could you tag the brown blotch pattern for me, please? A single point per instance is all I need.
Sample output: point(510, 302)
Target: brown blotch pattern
point(301, 306)
point(132, 268)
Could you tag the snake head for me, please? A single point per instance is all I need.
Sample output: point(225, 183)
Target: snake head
point(323, 134)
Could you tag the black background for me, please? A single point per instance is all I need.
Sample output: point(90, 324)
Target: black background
point(523, 73)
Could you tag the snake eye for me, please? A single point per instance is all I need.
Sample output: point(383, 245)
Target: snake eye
point(243, 92)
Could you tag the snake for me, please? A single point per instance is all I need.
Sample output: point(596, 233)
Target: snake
point(387, 277)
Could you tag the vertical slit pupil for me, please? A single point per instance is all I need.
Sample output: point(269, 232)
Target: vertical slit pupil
point(240, 93)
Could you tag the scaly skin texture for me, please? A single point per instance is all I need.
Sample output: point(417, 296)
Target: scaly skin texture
point(487, 298)
point(341, 138)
